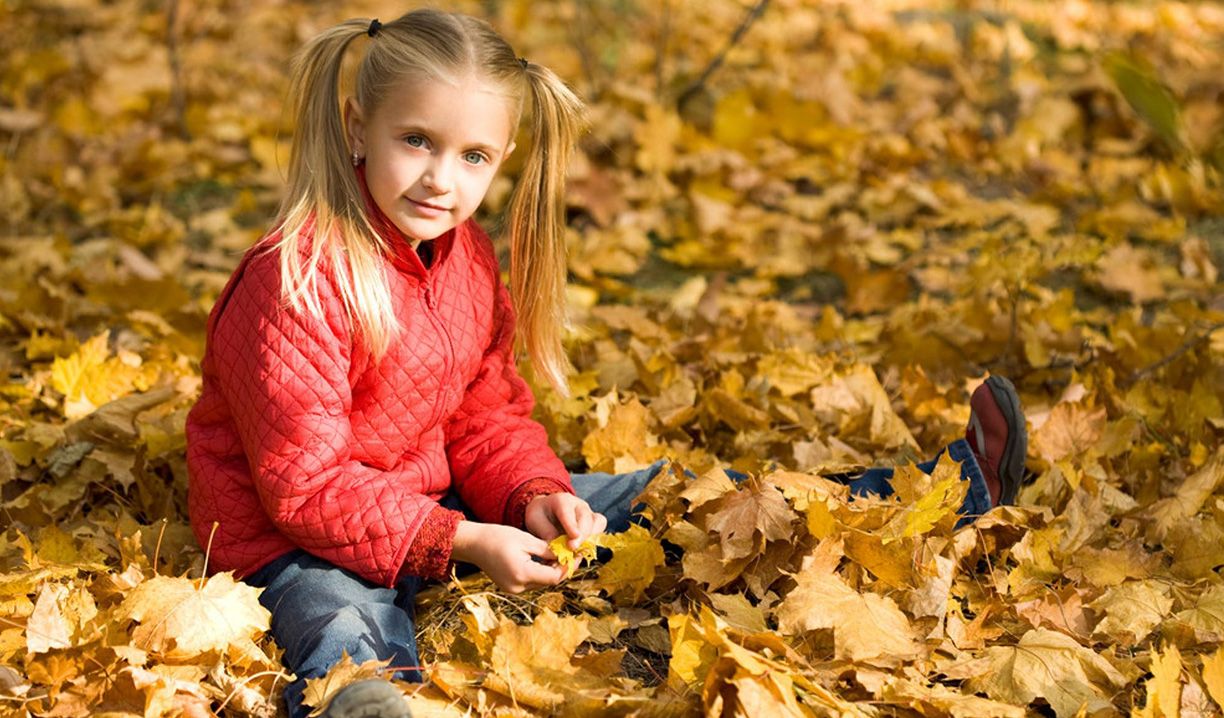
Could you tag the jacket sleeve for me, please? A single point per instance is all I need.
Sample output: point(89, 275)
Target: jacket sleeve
point(286, 381)
point(493, 445)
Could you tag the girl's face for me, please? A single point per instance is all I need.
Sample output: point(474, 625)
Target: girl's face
point(431, 149)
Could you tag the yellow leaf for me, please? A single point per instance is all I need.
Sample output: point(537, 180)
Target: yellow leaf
point(635, 556)
point(1191, 494)
point(47, 628)
point(820, 520)
point(1164, 687)
point(319, 691)
point(865, 625)
point(1051, 665)
point(1207, 616)
point(68, 373)
point(533, 664)
point(739, 612)
point(1133, 610)
point(856, 403)
point(571, 559)
point(924, 512)
point(691, 653)
point(792, 371)
point(181, 619)
point(746, 519)
point(1071, 430)
point(1213, 676)
point(656, 138)
point(624, 432)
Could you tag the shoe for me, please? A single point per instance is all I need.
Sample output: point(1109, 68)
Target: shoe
point(374, 698)
point(997, 435)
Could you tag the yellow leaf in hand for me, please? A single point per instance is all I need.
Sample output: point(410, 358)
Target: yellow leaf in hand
point(570, 558)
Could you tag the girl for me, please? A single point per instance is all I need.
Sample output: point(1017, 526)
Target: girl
point(361, 425)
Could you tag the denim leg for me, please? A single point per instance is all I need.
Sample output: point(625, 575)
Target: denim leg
point(612, 494)
point(319, 611)
point(878, 481)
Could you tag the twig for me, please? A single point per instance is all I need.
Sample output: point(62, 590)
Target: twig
point(717, 62)
point(1186, 346)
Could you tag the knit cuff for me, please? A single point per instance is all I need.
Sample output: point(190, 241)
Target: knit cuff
point(516, 505)
point(430, 553)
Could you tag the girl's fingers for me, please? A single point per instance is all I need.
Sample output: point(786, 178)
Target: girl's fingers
point(567, 515)
point(586, 526)
point(539, 549)
point(601, 523)
point(542, 574)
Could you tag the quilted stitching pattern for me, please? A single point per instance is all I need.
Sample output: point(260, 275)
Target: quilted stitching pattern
point(299, 439)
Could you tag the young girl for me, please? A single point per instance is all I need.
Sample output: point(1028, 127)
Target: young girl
point(361, 424)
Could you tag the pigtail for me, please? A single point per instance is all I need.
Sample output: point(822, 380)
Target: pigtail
point(322, 219)
point(537, 224)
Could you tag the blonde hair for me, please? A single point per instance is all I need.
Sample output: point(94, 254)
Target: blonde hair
point(324, 194)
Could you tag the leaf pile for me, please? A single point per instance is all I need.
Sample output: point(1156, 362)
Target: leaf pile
point(795, 250)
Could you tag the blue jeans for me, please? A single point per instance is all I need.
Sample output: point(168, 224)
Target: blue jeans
point(320, 610)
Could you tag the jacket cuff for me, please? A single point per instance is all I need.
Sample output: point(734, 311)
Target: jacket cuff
point(430, 552)
point(516, 505)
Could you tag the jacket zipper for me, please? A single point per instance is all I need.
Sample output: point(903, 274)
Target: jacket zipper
point(448, 359)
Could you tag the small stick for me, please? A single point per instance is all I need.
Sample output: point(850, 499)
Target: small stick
point(1177, 353)
point(717, 62)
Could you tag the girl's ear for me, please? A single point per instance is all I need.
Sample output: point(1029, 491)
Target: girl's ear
point(354, 125)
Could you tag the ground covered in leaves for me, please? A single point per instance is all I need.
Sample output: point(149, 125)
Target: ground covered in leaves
point(802, 233)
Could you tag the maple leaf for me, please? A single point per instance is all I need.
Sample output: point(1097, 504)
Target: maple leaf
point(1191, 495)
point(1206, 617)
point(1133, 610)
point(181, 619)
point(1213, 676)
point(635, 556)
point(47, 628)
point(746, 519)
point(928, 500)
point(319, 691)
point(624, 433)
point(569, 558)
point(1070, 430)
point(1164, 687)
point(865, 625)
point(1050, 665)
point(533, 664)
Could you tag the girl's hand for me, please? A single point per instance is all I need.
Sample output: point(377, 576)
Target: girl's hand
point(551, 515)
point(507, 555)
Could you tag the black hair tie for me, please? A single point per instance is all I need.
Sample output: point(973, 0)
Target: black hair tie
point(523, 62)
point(375, 25)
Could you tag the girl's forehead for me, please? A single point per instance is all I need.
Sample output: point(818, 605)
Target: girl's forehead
point(466, 102)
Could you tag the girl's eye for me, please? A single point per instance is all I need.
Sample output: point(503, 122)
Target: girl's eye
point(474, 158)
point(415, 141)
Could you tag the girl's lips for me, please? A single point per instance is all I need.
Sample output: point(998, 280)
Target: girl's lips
point(427, 209)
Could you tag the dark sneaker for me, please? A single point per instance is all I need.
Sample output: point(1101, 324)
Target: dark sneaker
point(998, 438)
point(374, 698)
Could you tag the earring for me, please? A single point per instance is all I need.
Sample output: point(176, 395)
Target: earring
point(356, 159)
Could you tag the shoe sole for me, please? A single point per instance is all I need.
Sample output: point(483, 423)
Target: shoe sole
point(368, 699)
point(1012, 464)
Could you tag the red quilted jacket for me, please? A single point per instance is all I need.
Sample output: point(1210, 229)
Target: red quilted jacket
point(299, 439)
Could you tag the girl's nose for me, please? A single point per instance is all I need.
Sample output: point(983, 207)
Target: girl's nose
point(439, 177)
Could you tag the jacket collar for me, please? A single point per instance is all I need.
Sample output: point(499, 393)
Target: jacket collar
point(399, 246)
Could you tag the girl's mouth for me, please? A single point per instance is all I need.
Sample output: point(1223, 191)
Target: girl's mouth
point(427, 209)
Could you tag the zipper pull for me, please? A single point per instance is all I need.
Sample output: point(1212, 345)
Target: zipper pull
point(429, 297)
